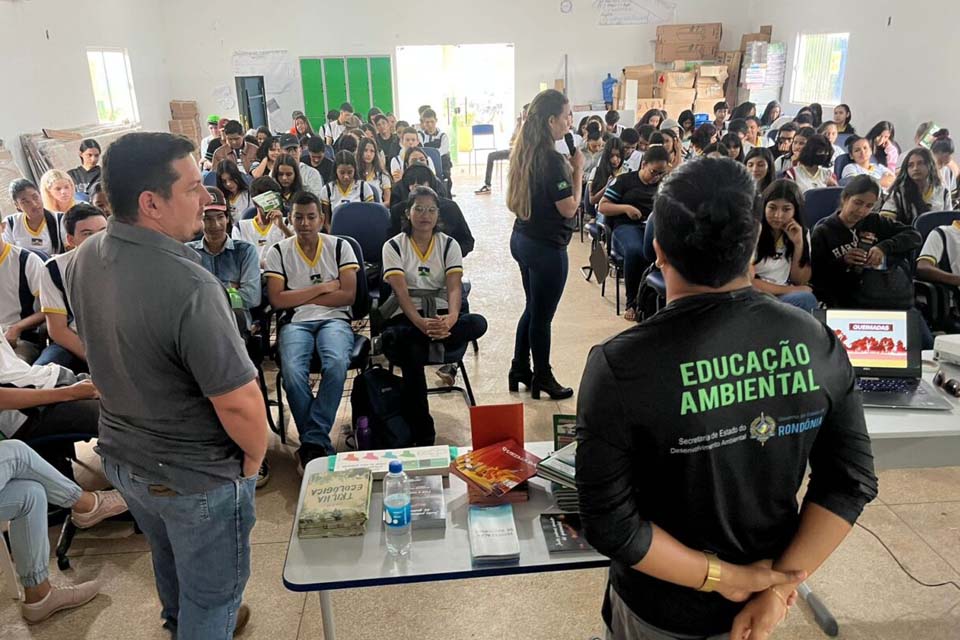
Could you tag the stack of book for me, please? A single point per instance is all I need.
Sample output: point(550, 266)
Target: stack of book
point(428, 507)
point(560, 468)
point(496, 474)
point(335, 504)
point(493, 535)
point(563, 532)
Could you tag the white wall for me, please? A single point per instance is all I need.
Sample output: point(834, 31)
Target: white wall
point(205, 35)
point(45, 76)
point(905, 72)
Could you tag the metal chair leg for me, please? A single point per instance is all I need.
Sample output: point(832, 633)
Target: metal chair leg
point(262, 380)
point(67, 533)
point(603, 288)
point(466, 383)
point(281, 424)
point(616, 278)
point(476, 347)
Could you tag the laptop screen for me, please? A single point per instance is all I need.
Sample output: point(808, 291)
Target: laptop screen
point(874, 340)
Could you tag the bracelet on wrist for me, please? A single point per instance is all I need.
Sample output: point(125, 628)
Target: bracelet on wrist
point(714, 573)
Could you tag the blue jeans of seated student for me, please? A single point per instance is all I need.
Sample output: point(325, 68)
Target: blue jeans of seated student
point(55, 354)
point(543, 270)
point(801, 299)
point(332, 341)
point(200, 547)
point(27, 484)
point(627, 241)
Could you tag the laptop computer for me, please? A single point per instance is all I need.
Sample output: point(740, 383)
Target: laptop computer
point(884, 348)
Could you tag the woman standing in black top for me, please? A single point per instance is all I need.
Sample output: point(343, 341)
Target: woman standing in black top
point(544, 193)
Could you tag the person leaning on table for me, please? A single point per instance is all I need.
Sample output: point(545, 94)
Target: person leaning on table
point(690, 455)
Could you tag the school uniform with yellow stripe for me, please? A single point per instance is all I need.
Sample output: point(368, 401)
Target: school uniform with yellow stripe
point(423, 270)
point(52, 296)
point(20, 273)
point(261, 237)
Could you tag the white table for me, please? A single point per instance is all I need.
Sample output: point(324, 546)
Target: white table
point(324, 564)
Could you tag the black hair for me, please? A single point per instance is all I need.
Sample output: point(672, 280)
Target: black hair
point(593, 127)
point(346, 106)
point(854, 139)
point(347, 142)
point(419, 174)
point(89, 143)
point(78, 213)
point(418, 191)
point(18, 186)
point(333, 114)
point(655, 154)
point(366, 127)
point(737, 125)
point(849, 113)
point(629, 136)
point(765, 119)
point(428, 113)
point(409, 152)
point(252, 139)
point(717, 147)
point(422, 108)
point(583, 122)
point(703, 135)
point(297, 185)
point(789, 126)
point(645, 131)
point(706, 222)
point(377, 118)
point(754, 119)
point(874, 133)
point(767, 155)
point(264, 148)
point(375, 167)
point(731, 140)
point(818, 152)
point(859, 185)
point(612, 117)
point(403, 124)
point(138, 162)
point(372, 113)
point(942, 142)
point(316, 145)
point(766, 245)
point(645, 119)
point(656, 138)
point(911, 194)
point(685, 116)
point(346, 158)
point(806, 132)
point(604, 169)
point(233, 128)
point(742, 111)
point(265, 130)
point(817, 110)
point(264, 184)
point(305, 198)
point(720, 105)
point(230, 168)
point(804, 118)
point(594, 134)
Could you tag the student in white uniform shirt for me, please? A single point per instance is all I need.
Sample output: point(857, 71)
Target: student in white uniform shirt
point(267, 228)
point(431, 136)
point(33, 227)
point(632, 153)
point(81, 221)
point(813, 169)
point(939, 259)
point(20, 272)
point(370, 166)
point(423, 260)
point(409, 139)
point(828, 130)
point(861, 152)
point(309, 176)
point(347, 187)
point(335, 128)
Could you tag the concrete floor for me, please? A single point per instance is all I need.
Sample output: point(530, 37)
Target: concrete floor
point(917, 515)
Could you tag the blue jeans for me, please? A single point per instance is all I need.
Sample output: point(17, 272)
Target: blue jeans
point(543, 270)
point(627, 241)
point(27, 484)
point(62, 356)
point(200, 545)
point(801, 300)
point(332, 341)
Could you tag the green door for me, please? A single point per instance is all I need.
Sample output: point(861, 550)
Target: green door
point(358, 79)
point(314, 102)
point(381, 82)
point(336, 82)
point(329, 82)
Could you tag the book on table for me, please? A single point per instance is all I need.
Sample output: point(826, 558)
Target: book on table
point(416, 460)
point(564, 430)
point(563, 532)
point(428, 507)
point(560, 466)
point(496, 469)
point(493, 535)
point(335, 504)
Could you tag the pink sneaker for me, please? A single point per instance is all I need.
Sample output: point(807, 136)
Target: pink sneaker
point(109, 504)
point(58, 599)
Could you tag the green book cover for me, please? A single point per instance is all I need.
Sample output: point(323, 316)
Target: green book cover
point(336, 501)
point(564, 430)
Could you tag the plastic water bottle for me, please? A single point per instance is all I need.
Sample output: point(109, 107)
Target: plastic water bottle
point(396, 510)
point(364, 435)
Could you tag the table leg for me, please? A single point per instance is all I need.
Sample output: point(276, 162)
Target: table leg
point(326, 614)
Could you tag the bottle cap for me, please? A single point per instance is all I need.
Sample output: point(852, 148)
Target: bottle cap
point(396, 466)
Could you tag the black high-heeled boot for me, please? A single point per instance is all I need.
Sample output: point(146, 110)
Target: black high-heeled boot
point(544, 381)
point(519, 373)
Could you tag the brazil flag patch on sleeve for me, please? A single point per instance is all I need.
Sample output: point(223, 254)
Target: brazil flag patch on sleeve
point(563, 184)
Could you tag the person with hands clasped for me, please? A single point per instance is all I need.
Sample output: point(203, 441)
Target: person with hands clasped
point(690, 455)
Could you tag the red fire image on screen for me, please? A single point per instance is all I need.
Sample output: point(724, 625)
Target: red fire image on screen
point(869, 344)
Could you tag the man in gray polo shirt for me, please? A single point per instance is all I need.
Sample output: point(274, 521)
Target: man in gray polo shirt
point(182, 422)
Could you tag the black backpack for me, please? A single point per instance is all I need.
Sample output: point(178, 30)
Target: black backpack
point(378, 395)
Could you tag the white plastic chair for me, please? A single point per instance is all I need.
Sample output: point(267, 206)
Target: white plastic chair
point(11, 585)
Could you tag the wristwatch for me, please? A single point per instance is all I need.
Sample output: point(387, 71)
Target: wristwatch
point(712, 581)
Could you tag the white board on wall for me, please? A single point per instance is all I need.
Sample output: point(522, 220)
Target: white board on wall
point(627, 12)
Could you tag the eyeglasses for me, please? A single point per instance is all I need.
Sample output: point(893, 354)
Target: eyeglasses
point(430, 210)
point(657, 174)
point(951, 386)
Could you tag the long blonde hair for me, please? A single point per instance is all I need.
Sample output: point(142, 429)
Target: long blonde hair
point(47, 181)
point(531, 150)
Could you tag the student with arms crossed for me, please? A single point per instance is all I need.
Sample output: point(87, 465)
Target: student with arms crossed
point(693, 557)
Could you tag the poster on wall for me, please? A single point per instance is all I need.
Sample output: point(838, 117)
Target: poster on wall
point(628, 12)
point(280, 81)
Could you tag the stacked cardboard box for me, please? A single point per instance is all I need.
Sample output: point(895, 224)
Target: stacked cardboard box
point(732, 60)
point(636, 83)
point(688, 41)
point(710, 87)
point(677, 90)
point(185, 119)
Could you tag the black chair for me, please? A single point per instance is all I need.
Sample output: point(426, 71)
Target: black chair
point(653, 290)
point(820, 203)
point(933, 299)
point(434, 155)
point(210, 179)
point(359, 356)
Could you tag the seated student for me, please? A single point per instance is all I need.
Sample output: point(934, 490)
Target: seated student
point(424, 267)
point(452, 220)
point(302, 127)
point(687, 123)
point(631, 151)
point(266, 228)
point(237, 149)
point(943, 149)
point(754, 133)
point(783, 143)
point(20, 275)
point(213, 126)
point(388, 141)
point(33, 226)
point(99, 199)
point(939, 260)
point(759, 163)
point(88, 173)
point(431, 136)
point(612, 122)
point(743, 111)
point(267, 155)
point(669, 139)
point(770, 114)
point(609, 167)
point(309, 176)
point(734, 146)
point(814, 168)
point(861, 152)
point(649, 496)
point(592, 148)
point(781, 264)
point(57, 190)
point(652, 117)
point(369, 131)
point(798, 141)
point(214, 145)
point(262, 135)
point(842, 116)
point(372, 113)
point(917, 189)
point(704, 136)
point(561, 144)
point(348, 187)
point(393, 122)
point(884, 147)
point(409, 139)
point(314, 277)
point(335, 128)
point(720, 112)
point(287, 174)
point(829, 131)
point(740, 128)
point(82, 221)
point(27, 485)
point(626, 204)
point(853, 239)
point(317, 159)
point(370, 169)
point(233, 186)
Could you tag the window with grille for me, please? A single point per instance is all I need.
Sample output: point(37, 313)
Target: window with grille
point(818, 68)
point(112, 85)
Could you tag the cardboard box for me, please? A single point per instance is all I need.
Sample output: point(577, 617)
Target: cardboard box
point(677, 95)
point(668, 52)
point(645, 91)
point(686, 33)
point(718, 71)
point(676, 79)
point(705, 106)
point(713, 92)
point(183, 110)
point(645, 105)
point(643, 73)
point(765, 35)
point(675, 109)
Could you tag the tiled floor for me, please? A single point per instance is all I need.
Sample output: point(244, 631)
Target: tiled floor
point(918, 516)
